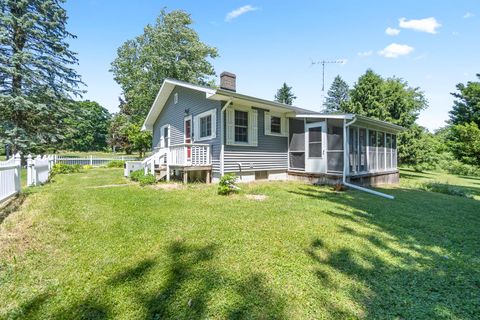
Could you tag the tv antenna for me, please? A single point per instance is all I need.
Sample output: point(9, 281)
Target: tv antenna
point(323, 63)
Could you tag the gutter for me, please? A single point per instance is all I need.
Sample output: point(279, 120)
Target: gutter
point(222, 142)
point(345, 165)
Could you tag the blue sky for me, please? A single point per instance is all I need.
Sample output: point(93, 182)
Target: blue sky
point(432, 44)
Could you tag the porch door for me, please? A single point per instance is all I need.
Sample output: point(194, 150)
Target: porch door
point(315, 145)
point(188, 135)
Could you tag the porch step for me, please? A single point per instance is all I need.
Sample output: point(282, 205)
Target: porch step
point(160, 172)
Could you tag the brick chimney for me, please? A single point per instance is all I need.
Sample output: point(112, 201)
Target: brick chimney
point(228, 81)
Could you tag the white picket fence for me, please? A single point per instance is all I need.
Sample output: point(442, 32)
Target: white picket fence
point(38, 169)
point(10, 177)
point(91, 160)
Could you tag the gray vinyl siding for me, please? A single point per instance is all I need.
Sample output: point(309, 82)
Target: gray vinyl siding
point(270, 154)
point(174, 114)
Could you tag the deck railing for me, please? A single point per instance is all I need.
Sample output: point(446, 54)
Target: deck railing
point(190, 154)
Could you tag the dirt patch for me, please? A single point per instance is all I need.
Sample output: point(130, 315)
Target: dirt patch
point(11, 206)
point(168, 186)
point(256, 197)
point(109, 186)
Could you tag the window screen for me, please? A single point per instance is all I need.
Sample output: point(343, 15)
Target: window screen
point(206, 126)
point(388, 140)
point(241, 126)
point(275, 125)
point(165, 136)
point(315, 142)
point(372, 150)
point(362, 137)
point(381, 150)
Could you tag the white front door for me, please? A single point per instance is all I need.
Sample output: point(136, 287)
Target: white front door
point(315, 145)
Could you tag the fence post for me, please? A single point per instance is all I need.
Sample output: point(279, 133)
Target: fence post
point(29, 170)
point(91, 160)
point(18, 170)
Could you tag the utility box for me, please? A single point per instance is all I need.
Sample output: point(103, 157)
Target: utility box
point(131, 166)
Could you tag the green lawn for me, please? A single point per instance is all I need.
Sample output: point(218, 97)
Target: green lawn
point(83, 247)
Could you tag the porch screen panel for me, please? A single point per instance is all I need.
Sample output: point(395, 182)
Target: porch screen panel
point(334, 145)
point(353, 149)
point(394, 151)
point(362, 137)
point(388, 146)
point(372, 150)
point(297, 144)
point(381, 150)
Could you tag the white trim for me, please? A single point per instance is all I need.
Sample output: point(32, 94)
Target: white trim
point(175, 98)
point(252, 129)
point(185, 119)
point(283, 124)
point(162, 137)
point(196, 125)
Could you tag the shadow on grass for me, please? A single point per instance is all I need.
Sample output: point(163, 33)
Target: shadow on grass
point(191, 284)
point(417, 256)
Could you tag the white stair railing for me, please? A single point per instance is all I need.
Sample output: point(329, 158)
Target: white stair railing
point(190, 154)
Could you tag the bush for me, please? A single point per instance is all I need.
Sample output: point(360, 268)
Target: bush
point(227, 184)
point(60, 168)
point(142, 178)
point(116, 164)
point(459, 168)
point(147, 179)
point(87, 167)
point(445, 188)
point(136, 175)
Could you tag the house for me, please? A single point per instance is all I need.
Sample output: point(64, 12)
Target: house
point(203, 133)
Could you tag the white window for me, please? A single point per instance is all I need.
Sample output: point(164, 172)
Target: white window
point(175, 98)
point(242, 126)
point(276, 124)
point(165, 136)
point(205, 125)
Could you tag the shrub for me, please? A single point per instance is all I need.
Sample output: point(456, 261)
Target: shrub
point(136, 175)
point(116, 164)
point(142, 178)
point(60, 168)
point(227, 184)
point(147, 179)
point(445, 188)
point(459, 168)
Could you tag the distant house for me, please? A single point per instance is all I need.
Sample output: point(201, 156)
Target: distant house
point(204, 133)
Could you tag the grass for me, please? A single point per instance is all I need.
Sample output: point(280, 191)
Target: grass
point(95, 246)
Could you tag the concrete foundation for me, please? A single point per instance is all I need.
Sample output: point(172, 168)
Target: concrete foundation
point(366, 180)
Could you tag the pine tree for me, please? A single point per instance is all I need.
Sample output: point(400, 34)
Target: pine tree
point(337, 96)
point(285, 95)
point(36, 79)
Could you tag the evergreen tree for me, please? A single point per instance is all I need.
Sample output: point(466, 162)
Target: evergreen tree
point(337, 96)
point(36, 78)
point(168, 49)
point(285, 95)
point(466, 107)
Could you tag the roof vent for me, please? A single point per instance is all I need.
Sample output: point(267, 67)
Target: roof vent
point(228, 81)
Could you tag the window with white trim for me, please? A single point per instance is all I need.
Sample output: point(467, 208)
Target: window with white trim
point(276, 124)
point(165, 136)
point(204, 125)
point(175, 98)
point(241, 126)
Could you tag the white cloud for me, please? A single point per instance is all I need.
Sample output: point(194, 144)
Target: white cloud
point(365, 54)
point(428, 25)
point(239, 11)
point(468, 15)
point(396, 50)
point(392, 31)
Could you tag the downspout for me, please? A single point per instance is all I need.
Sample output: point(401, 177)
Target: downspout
point(345, 165)
point(222, 142)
